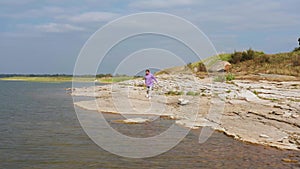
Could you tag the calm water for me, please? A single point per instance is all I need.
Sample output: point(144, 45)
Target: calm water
point(39, 129)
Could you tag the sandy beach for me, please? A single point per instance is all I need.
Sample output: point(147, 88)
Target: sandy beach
point(260, 112)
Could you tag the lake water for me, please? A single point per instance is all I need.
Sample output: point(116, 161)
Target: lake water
point(39, 129)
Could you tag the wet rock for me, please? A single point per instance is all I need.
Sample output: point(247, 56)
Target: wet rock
point(135, 120)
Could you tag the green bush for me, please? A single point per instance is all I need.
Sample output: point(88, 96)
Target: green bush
point(230, 77)
point(174, 93)
point(296, 49)
point(201, 67)
point(296, 60)
point(263, 59)
point(191, 93)
point(237, 57)
point(248, 55)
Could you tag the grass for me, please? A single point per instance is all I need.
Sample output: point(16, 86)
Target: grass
point(281, 63)
point(219, 78)
point(114, 79)
point(191, 93)
point(174, 93)
point(229, 77)
point(39, 79)
point(255, 62)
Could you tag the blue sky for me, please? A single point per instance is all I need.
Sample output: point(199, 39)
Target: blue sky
point(46, 36)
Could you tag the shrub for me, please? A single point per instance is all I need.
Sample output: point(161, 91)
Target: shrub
point(201, 67)
point(296, 60)
point(263, 59)
point(296, 49)
point(230, 77)
point(191, 93)
point(174, 93)
point(236, 57)
point(219, 79)
point(189, 65)
point(248, 55)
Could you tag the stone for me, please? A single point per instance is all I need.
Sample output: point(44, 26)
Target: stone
point(278, 113)
point(295, 116)
point(264, 136)
point(183, 101)
point(135, 120)
point(220, 66)
point(288, 160)
point(287, 114)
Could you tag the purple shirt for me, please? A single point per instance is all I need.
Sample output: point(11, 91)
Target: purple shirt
point(149, 79)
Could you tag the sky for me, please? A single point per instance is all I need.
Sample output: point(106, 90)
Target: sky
point(46, 36)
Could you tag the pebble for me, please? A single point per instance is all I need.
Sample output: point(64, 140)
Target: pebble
point(264, 136)
point(287, 114)
point(183, 101)
point(288, 160)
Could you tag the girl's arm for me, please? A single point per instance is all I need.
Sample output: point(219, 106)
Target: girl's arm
point(154, 79)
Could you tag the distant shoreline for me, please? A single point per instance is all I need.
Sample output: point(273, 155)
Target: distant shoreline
point(62, 79)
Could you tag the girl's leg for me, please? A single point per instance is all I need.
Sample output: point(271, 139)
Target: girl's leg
point(150, 91)
point(147, 92)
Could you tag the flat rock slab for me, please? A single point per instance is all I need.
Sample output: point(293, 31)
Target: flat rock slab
point(133, 120)
point(260, 112)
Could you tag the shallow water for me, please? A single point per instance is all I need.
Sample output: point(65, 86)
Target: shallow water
point(39, 129)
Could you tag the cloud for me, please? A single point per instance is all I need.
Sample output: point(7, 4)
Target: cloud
point(91, 17)
point(159, 4)
point(58, 28)
point(49, 11)
point(15, 2)
point(243, 15)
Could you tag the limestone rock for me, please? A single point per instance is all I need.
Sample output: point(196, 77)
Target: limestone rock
point(264, 136)
point(183, 101)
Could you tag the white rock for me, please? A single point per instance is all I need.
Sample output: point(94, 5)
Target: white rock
point(183, 101)
point(287, 114)
point(264, 136)
point(136, 120)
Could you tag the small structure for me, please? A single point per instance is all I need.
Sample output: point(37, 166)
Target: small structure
point(220, 66)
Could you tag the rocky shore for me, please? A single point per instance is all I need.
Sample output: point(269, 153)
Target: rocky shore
point(260, 112)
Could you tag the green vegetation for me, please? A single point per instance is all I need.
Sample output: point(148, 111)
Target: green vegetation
point(39, 79)
point(175, 93)
point(191, 93)
point(114, 79)
point(107, 78)
point(219, 78)
point(229, 77)
point(253, 62)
